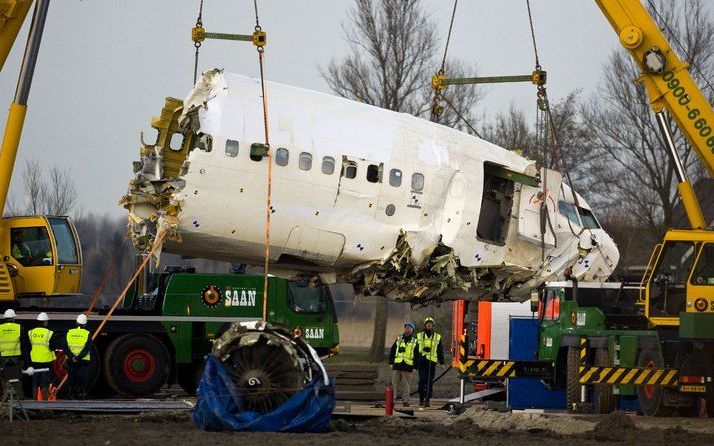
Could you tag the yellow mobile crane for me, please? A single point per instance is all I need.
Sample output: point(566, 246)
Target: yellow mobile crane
point(41, 255)
point(670, 355)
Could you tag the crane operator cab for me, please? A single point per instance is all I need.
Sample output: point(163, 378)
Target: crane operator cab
point(681, 280)
point(41, 256)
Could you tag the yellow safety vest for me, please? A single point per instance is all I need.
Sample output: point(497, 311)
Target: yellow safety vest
point(40, 341)
point(76, 340)
point(10, 339)
point(428, 346)
point(407, 355)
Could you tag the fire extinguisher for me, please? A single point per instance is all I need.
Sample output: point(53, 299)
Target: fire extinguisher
point(389, 400)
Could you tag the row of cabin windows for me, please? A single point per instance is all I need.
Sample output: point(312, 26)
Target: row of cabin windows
point(349, 169)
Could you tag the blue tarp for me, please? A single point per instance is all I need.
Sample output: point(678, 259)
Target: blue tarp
point(219, 404)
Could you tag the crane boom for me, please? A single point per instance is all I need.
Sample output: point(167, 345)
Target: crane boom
point(669, 87)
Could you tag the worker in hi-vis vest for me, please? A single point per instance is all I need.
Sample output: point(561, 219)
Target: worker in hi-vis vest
point(11, 345)
point(402, 357)
point(79, 346)
point(430, 352)
point(42, 356)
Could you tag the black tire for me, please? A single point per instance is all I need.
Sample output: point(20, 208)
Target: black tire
point(137, 365)
point(188, 377)
point(605, 400)
point(572, 384)
point(651, 398)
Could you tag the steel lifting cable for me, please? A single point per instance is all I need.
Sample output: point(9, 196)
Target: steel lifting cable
point(268, 204)
point(437, 94)
point(197, 45)
point(157, 243)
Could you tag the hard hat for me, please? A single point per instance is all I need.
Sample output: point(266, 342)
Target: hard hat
point(410, 324)
point(82, 319)
point(429, 319)
point(9, 313)
point(42, 317)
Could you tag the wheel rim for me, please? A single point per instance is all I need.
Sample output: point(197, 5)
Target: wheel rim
point(650, 390)
point(139, 365)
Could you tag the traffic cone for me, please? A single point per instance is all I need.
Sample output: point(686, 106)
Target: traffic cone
point(53, 393)
point(39, 394)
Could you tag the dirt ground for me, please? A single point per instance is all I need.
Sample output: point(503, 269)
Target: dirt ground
point(177, 429)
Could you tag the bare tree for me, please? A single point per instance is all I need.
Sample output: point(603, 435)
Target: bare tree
point(35, 188)
point(44, 192)
point(394, 51)
point(631, 171)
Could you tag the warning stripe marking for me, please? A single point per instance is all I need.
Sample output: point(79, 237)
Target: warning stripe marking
point(628, 375)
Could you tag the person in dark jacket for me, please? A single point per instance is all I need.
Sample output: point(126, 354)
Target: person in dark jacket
point(78, 349)
point(402, 357)
point(430, 352)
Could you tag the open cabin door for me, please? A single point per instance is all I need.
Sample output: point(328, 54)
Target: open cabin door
point(530, 204)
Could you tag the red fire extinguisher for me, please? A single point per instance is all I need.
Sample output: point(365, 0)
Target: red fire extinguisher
point(389, 400)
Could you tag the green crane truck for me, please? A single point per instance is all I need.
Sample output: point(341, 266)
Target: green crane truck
point(596, 342)
point(161, 336)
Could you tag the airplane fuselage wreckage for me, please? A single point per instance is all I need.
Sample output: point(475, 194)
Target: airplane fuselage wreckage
point(395, 204)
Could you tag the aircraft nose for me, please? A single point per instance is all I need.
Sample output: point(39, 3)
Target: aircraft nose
point(603, 257)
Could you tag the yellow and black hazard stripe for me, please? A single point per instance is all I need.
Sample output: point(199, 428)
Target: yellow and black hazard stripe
point(628, 375)
point(583, 350)
point(490, 368)
point(463, 356)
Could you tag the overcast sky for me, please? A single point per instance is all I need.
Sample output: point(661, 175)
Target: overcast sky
point(105, 67)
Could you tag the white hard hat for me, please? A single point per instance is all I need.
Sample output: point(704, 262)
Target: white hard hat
point(42, 317)
point(9, 313)
point(82, 319)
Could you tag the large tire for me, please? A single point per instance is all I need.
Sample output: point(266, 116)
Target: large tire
point(605, 400)
point(573, 378)
point(651, 398)
point(137, 365)
point(188, 377)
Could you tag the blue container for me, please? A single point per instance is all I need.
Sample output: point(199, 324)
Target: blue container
point(529, 393)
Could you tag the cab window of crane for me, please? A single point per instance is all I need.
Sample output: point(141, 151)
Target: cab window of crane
point(306, 298)
point(668, 283)
point(568, 210)
point(704, 271)
point(64, 238)
point(588, 219)
point(31, 246)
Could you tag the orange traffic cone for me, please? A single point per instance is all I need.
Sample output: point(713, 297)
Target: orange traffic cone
point(53, 393)
point(39, 394)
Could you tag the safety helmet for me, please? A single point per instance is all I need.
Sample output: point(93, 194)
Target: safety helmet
point(410, 324)
point(429, 319)
point(82, 319)
point(9, 313)
point(42, 317)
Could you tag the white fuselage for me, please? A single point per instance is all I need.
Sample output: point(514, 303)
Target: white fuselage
point(349, 178)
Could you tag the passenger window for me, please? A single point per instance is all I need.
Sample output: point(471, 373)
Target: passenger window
point(374, 174)
point(349, 170)
point(568, 210)
point(231, 148)
point(588, 219)
point(417, 181)
point(282, 156)
point(704, 272)
point(258, 151)
point(395, 177)
point(328, 165)
point(176, 142)
point(305, 161)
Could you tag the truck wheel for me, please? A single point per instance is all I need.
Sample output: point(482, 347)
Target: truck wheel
point(651, 398)
point(573, 378)
point(136, 365)
point(605, 399)
point(188, 377)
